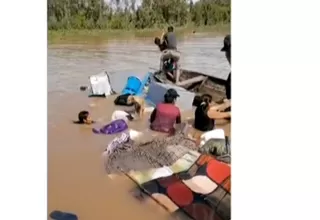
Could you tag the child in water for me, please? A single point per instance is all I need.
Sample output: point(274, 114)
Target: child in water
point(84, 118)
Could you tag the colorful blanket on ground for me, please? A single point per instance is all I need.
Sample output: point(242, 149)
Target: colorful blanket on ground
point(182, 164)
point(200, 193)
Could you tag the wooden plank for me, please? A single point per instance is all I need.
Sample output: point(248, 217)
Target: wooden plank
point(192, 80)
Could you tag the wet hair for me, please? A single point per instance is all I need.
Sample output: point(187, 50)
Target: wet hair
point(82, 116)
point(157, 41)
point(196, 101)
point(170, 29)
point(206, 98)
point(169, 99)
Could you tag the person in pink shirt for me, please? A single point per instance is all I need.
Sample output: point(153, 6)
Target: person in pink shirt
point(166, 115)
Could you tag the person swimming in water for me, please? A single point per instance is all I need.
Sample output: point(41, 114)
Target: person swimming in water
point(84, 118)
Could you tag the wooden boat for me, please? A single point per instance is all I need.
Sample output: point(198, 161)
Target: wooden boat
point(196, 82)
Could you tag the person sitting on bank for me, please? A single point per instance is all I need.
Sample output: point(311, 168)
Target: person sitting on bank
point(205, 114)
point(166, 114)
point(84, 118)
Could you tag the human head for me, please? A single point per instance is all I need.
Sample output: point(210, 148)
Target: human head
point(206, 98)
point(227, 47)
point(157, 41)
point(170, 29)
point(170, 96)
point(84, 118)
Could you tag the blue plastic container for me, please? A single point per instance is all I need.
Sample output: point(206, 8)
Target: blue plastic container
point(133, 86)
point(145, 81)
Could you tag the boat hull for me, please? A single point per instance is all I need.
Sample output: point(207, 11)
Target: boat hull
point(209, 85)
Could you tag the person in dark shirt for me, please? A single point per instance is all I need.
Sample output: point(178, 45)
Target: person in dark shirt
point(227, 50)
point(202, 122)
point(166, 114)
point(205, 114)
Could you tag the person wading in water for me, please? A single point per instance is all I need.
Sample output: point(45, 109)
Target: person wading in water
point(166, 114)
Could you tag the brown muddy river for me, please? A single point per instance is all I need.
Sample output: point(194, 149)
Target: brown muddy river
point(77, 182)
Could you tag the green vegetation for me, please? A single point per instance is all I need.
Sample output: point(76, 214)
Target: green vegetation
point(100, 18)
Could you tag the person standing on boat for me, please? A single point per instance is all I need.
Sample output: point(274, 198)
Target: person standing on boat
point(166, 114)
point(170, 40)
point(227, 50)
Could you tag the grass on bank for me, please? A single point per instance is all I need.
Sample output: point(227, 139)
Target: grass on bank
point(100, 35)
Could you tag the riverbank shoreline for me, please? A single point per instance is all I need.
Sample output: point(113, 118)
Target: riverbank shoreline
point(102, 35)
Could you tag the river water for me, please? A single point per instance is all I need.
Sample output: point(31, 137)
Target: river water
point(76, 179)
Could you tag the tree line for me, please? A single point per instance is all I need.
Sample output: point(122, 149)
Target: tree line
point(125, 14)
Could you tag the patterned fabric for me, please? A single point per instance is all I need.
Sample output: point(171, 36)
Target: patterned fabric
point(182, 164)
point(117, 142)
point(200, 193)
